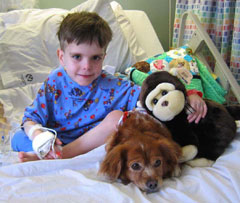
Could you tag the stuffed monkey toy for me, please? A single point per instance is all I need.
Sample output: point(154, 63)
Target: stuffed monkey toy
point(164, 97)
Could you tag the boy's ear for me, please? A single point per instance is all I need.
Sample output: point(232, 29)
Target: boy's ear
point(60, 54)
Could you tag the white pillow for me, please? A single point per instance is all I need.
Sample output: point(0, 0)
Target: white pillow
point(28, 43)
point(128, 31)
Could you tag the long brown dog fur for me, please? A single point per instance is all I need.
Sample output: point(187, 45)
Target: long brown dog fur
point(141, 151)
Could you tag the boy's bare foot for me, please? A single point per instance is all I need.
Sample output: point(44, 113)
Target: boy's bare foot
point(27, 156)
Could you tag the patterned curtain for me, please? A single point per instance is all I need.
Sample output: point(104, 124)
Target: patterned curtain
point(221, 19)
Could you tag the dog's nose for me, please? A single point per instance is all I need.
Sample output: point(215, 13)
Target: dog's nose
point(152, 184)
point(165, 103)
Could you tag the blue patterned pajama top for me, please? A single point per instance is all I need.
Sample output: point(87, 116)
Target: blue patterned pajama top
point(70, 109)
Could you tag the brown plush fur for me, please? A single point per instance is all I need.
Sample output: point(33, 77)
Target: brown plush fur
point(142, 66)
point(211, 135)
point(141, 151)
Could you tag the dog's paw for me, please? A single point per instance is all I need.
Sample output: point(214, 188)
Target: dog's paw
point(200, 162)
point(177, 171)
point(188, 153)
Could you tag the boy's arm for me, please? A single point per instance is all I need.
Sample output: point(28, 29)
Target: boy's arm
point(199, 106)
point(28, 125)
point(195, 93)
point(93, 138)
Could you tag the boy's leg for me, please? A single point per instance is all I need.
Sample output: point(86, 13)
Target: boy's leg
point(21, 142)
point(90, 140)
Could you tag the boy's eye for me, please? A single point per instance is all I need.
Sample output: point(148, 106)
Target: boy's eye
point(96, 58)
point(77, 57)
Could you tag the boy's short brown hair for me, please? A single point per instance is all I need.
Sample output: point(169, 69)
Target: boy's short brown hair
point(82, 27)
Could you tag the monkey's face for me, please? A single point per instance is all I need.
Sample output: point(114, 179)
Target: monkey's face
point(165, 101)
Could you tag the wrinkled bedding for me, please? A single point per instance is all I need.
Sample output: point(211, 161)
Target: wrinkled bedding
point(76, 179)
point(24, 52)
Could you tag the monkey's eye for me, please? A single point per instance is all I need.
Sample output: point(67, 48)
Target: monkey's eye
point(155, 101)
point(164, 92)
point(157, 163)
point(136, 166)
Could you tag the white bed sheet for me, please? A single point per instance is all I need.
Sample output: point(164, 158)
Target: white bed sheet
point(76, 179)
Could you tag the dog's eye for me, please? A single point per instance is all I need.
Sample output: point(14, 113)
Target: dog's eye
point(157, 163)
point(136, 166)
point(164, 92)
point(155, 101)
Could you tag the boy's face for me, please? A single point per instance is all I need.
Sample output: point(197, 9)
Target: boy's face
point(83, 62)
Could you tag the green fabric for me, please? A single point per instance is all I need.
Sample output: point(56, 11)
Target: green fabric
point(212, 89)
point(137, 76)
point(196, 84)
point(207, 85)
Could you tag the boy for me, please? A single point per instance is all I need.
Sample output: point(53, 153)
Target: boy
point(82, 103)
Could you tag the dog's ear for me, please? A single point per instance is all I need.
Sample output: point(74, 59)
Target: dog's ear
point(118, 137)
point(171, 153)
point(113, 141)
point(113, 162)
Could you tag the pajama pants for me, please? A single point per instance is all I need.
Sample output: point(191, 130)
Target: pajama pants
point(21, 143)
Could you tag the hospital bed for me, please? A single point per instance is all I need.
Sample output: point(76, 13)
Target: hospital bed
point(28, 47)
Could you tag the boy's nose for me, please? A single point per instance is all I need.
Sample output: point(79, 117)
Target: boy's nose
point(86, 64)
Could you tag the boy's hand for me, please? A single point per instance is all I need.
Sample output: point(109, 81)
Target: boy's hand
point(58, 151)
point(199, 106)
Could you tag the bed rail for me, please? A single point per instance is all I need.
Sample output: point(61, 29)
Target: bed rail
point(196, 43)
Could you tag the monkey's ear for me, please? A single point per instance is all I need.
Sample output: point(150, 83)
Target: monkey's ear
point(113, 162)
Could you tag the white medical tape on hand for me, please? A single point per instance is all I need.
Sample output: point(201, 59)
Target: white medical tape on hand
point(44, 142)
point(32, 129)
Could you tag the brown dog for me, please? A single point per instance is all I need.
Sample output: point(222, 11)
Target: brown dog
point(141, 151)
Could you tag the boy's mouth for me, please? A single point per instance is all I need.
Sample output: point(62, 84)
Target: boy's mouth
point(84, 76)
